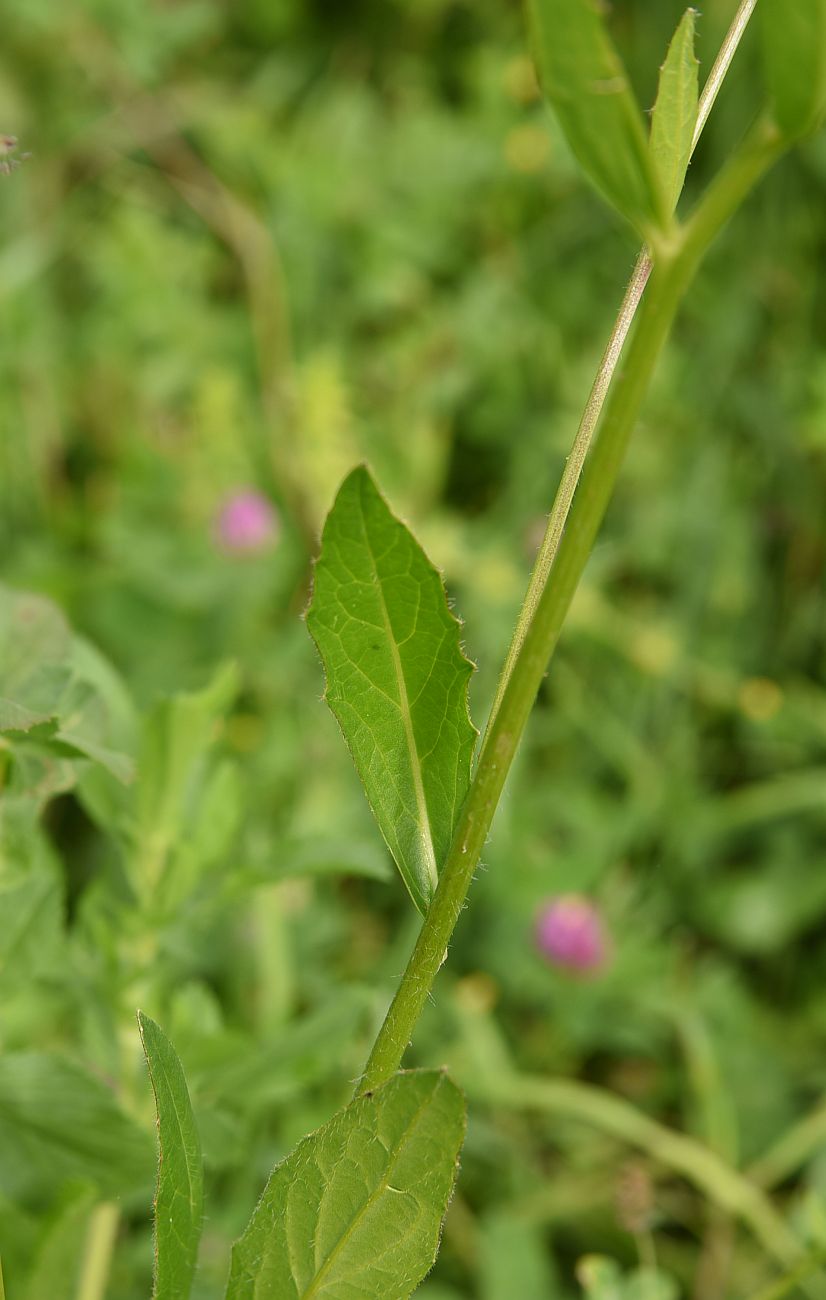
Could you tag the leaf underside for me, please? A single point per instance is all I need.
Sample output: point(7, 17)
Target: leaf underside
point(584, 79)
point(355, 1210)
point(675, 110)
point(179, 1200)
point(397, 680)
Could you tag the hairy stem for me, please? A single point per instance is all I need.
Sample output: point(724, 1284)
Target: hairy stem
point(669, 282)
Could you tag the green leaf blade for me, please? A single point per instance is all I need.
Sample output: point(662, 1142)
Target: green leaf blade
point(396, 678)
point(179, 1199)
point(675, 111)
point(356, 1209)
point(584, 79)
point(794, 49)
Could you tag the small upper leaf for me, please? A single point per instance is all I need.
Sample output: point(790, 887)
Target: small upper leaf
point(396, 677)
point(179, 1200)
point(584, 79)
point(356, 1209)
point(675, 111)
point(794, 43)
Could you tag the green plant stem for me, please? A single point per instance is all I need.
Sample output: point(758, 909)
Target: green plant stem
point(792, 1150)
point(669, 282)
point(635, 289)
point(97, 1257)
point(786, 1285)
point(719, 1181)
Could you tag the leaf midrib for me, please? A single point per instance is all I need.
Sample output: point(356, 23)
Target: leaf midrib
point(426, 835)
point(371, 1199)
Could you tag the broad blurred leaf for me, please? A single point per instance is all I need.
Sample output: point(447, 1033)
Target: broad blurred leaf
point(179, 1200)
point(56, 698)
point(584, 79)
point(356, 1209)
point(675, 111)
point(59, 1122)
point(794, 45)
point(176, 740)
point(31, 897)
point(514, 1260)
point(56, 1264)
point(396, 677)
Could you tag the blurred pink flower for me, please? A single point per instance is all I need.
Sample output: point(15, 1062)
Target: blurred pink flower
point(247, 522)
point(570, 933)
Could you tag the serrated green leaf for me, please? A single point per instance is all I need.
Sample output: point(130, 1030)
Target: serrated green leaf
point(675, 110)
point(794, 46)
point(356, 1209)
point(396, 678)
point(31, 898)
point(179, 1199)
point(584, 79)
point(59, 1122)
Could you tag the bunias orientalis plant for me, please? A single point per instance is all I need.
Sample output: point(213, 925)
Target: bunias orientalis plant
point(356, 1209)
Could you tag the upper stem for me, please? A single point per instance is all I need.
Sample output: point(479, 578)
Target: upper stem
point(668, 283)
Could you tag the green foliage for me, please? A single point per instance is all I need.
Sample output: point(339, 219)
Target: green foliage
point(585, 81)
point(794, 44)
point(179, 1199)
point(356, 1209)
point(603, 1279)
point(59, 1122)
point(58, 1258)
point(675, 111)
point(396, 678)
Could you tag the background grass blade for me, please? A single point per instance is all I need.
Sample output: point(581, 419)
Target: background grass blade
point(356, 1209)
point(179, 1200)
point(396, 677)
point(794, 44)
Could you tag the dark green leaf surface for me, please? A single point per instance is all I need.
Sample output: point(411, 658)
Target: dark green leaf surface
point(675, 111)
point(794, 42)
point(179, 1200)
point(355, 1211)
point(584, 79)
point(60, 1122)
point(396, 677)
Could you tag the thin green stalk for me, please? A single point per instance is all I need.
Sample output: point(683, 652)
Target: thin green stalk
point(100, 1247)
point(785, 1286)
point(792, 1150)
point(635, 289)
point(718, 1181)
point(667, 286)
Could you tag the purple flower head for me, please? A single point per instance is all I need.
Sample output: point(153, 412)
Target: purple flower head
point(570, 933)
point(247, 522)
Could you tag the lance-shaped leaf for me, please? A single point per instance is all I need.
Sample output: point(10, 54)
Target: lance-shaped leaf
point(396, 677)
point(584, 79)
point(356, 1209)
point(794, 44)
point(675, 111)
point(179, 1199)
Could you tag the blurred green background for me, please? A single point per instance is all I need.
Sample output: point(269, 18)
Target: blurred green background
point(256, 243)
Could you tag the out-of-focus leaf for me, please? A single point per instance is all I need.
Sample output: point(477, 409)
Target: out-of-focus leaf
point(356, 1209)
point(57, 1262)
point(584, 79)
point(675, 110)
point(794, 47)
point(59, 1122)
point(397, 680)
point(31, 897)
point(56, 698)
point(179, 1199)
point(514, 1260)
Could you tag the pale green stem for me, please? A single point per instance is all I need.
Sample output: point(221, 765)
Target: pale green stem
point(785, 1286)
point(668, 284)
point(575, 463)
point(99, 1249)
point(792, 1150)
point(717, 1180)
